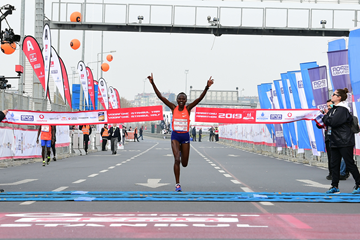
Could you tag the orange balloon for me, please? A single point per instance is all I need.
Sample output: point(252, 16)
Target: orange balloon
point(105, 67)
point(8, 48)
point(75, 17)
point(109, 57)
point(75, 44)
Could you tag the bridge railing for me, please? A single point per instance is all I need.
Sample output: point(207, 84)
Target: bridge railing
point(208, 16)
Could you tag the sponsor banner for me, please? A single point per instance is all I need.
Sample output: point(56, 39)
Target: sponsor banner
point(25, 144)
point(7, 143)
point(231, 115)
point(264, 91)
point(354, 59)
point(340, 72)
point(33, 53)
point(101, 100)
point(84, 81)
point(103, 90)
point(335, 45)
point(91, 88)
point(136, 114)
point(318, 78)
point(280, 141)
point(56, 73)
point(112, 98)
point(118, 98)
point(55, 118)
point(66, 83)
point(62, 136)
point(46, 52)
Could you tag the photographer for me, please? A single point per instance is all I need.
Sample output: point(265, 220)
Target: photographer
point(342, 140)
point(2, 116)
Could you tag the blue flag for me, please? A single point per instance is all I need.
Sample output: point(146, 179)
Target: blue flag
point(335, 45)
point(354, 63)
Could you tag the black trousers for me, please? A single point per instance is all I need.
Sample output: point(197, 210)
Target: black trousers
point(199, 137)
point(135, 137)
point(103, 146)
point(86, 142)
point(347, 153)
point(328, 151)
point(53, 149)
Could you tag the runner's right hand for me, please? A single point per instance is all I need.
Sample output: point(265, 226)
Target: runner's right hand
point(37, 141)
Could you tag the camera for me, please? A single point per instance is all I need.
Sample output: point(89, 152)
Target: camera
point(3, 83)
point(8, 35)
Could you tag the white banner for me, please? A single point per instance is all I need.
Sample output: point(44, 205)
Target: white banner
point(104, 91)
point(25, 144)
point(56, 73)
point(46, 52)
point(83, 79)
point(112, 97)
point(7, 143)
point(62, 136)
point(55, 118)
point(249, 133)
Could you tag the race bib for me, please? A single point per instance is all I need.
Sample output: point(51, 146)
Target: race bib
point(45, 128)
point(181, 125)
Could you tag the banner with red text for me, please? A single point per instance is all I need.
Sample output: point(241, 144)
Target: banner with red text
point(135, 114)
point(101, 100)
point(273, 116)
point(91, 88)
point(118, 98)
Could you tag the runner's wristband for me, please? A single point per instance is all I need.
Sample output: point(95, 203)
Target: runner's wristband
point(206, 88)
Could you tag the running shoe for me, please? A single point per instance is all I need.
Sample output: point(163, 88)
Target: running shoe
point(178, 188)
point(54, 159)
point(43, 163)
point(2, 190)
point(334, 190)
point(356, 190)
point(48, 160)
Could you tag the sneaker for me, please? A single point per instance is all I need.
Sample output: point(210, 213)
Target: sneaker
point(54, 159)
point(342, 177)
point(2, 190)
point(329, 177)
point(43, 163)
point(48, 161)
point(334, 190)
point(356, 190)
point(178, 188)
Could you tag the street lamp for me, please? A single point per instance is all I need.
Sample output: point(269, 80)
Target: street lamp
point(97, 67)
point(186, 73)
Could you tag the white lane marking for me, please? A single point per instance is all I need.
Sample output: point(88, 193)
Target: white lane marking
point(236, 181)
point(266, 203)
point(323, 168)
point(15, 225)
point(27, 202)
point(210, 162)
point(111, 167)
point(217, 167)
point(168, 155)
point(18, 182)
point(227, 175)
point(153, 183)
point(80, 181)
point(249, 215)
point(93, 175)
point(310, 183)
point(307, 165)
point(250, 226)
point(118, 164)
point(246, 189)
point(59, 189)
point(104, 171)
point(222, 171)
point(213, 164)
point(232, 155)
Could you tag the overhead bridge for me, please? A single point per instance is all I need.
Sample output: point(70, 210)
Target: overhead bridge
point(214, 20)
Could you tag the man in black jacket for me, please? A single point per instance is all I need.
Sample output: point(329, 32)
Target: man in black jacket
point(2, 116)
point(194, 133)
point(342, 140)
point(200, 134)
point(115, 137)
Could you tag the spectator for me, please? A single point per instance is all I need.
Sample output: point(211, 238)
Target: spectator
point(124, 134)
point(105, 136)
point(194, 133)
point(216, 134)
point(141, 133)
point(46, 142)
point(135, 134)
point(211, 131)
point(115, 137)
point(2, 116)
point(342, 140)
point(86, 129)
point(200, 134)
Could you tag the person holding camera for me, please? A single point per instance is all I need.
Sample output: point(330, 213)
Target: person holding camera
point(2, 116)
point(342, 140)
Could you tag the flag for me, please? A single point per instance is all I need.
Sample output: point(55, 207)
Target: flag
point(91, 89)
point(66, 82)
point(335, 45)
point(46, 52)
point(103, 89)
point(83, 80)
point(56, 73)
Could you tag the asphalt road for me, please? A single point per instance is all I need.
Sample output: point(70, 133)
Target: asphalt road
point(148, 166)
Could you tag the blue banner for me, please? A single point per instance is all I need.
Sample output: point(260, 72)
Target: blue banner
point(319, 137)
point(291, 126)
point(75, 96)
point(302, 133)
point(263, 90)
point(318, 78)
point(280, 93)
point(354, 63)
point(335, 45)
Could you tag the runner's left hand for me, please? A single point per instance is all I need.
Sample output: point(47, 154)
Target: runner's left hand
point(210, 82)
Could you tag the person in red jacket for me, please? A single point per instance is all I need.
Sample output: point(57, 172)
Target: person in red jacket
point(180, 137)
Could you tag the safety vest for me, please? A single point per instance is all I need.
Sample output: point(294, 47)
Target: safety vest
point(86, 130)
point(181, 120)
point(105, 133)
point(45, 132)
point(216, 131)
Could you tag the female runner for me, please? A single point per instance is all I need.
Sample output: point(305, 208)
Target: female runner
point(180, 138)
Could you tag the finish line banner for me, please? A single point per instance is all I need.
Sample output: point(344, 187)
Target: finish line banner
point(122, 115)
point(253, 116)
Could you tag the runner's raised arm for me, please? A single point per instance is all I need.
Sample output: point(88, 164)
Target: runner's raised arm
point(196, 101)
point(158, 94)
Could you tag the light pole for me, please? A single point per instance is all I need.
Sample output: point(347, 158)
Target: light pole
point(186, 73)
point(97, 67)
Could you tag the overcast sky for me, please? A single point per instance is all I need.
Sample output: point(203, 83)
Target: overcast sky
point(242, 61)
